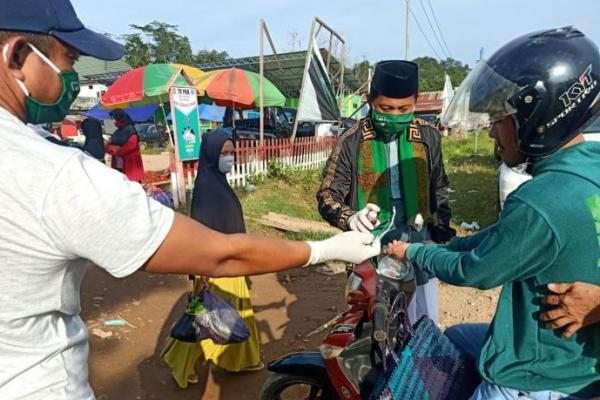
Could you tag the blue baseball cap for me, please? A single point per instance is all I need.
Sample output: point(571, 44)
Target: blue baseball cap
point(57, 18)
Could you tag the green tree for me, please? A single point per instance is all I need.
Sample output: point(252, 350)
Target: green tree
point(210, 56)
point(137, 53)
point(432, 72)
point(456, 69)
point(361, 70)
point(157, 42)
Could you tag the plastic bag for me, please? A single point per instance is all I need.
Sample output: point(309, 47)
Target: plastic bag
point(209, 317)
point(185, 329)
point(163, 197)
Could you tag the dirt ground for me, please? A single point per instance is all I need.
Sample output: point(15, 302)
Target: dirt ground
point(127, 365)
point(155, 162)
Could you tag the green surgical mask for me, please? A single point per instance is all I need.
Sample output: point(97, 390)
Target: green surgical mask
point(390, 124)
point(40, 113)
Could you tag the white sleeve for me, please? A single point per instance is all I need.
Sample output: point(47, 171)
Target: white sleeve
point(93, 212)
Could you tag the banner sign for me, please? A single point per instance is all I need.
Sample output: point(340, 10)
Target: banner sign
point(184, 103)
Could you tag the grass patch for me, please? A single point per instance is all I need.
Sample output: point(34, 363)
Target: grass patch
point(307, 235)
point(473, 178)
point(154, 148)
point(283, 191)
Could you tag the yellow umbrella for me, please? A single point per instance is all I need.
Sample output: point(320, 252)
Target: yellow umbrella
point(194, 73)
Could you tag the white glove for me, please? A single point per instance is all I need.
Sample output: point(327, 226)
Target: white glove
point(352, 247)
point(364, 220)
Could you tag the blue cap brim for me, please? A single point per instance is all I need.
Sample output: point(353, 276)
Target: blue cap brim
point(90, 43)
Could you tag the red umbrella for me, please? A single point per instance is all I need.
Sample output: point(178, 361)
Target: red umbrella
point(234, 87)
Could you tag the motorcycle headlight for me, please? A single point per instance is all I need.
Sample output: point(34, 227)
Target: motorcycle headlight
point(394, 269)
point(352, 284)
point(327, 351)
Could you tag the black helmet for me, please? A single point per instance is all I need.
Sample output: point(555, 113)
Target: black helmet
point(549, 82)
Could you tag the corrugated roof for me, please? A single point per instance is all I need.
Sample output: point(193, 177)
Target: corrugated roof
point(90, 67)
point(429, 101)
point(286, 70)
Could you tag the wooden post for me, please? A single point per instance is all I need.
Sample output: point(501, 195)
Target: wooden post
point(261, 89)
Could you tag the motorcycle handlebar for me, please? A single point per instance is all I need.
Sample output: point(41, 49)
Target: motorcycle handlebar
point(379, 317)
point(380, 310)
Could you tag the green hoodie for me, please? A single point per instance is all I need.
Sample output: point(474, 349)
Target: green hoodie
point(549, 231)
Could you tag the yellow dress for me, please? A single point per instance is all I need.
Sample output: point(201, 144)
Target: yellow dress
point(182, 356)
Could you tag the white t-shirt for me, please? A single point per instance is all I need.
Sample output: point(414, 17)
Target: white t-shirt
point(58, 209)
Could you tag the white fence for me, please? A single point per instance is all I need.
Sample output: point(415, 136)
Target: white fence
point(252, 159)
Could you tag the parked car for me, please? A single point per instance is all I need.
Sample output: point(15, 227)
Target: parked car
point(509, 179)
point(430, 118)
point(278, 124)
point(148, 133)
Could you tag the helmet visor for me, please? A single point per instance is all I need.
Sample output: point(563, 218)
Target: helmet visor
point(481, 98)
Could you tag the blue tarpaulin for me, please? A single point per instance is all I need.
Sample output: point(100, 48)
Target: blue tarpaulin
point(208, 112)
point(211, 112)
point(137, 114)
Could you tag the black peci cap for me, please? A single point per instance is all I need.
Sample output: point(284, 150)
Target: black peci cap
point(396, 79)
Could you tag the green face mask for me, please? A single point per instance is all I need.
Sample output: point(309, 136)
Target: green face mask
point(40, 113)
point(390, 124)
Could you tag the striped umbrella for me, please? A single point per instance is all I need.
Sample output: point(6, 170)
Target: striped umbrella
point(149, 85)
point(234, 87)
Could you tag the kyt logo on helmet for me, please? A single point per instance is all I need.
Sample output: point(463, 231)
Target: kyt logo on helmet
point(579, 88)
point(575, 94)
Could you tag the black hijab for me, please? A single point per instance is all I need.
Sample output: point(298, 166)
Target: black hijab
point(94, 142)
point(126, 127)
point(214, 202)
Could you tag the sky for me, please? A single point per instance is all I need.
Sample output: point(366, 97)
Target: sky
point(374, 29)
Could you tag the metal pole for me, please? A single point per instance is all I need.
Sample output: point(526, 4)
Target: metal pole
point(343, 68)
point(266, 32)
point(330, 29)
point(261, 86)
point(162, 107)
point(407, 38)
point(329, 52)
point(233, 116)
point(306, 66)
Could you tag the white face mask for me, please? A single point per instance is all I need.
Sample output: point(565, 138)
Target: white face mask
point(226, 164)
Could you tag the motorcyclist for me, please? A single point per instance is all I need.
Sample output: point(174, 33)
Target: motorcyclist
point(539, 91)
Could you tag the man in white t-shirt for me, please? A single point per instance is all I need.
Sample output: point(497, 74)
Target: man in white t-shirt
point(61, 208)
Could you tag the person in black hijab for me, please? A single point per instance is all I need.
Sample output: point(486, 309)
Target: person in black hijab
point(94, 141)
point(216, 205)
point(214, 202)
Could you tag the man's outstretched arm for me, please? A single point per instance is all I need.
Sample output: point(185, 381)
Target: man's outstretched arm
point(192, 248)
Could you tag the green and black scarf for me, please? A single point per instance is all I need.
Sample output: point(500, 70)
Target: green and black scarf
point(374, 178)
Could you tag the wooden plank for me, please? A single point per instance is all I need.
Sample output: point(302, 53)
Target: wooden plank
point(293, 224)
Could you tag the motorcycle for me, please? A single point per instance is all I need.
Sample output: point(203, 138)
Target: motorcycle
point(353, 354)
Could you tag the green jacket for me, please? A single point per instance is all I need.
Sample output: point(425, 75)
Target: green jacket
point(549, 231)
